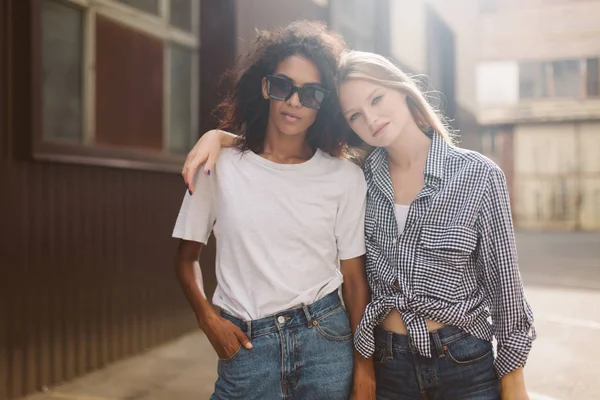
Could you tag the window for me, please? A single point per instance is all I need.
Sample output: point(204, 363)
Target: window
point(497, 83)
point(533, 80)
point(592, 74)
point(574, 78)
point(62, 80)
point(119, 78)
point(149, 6)
point(566, 78)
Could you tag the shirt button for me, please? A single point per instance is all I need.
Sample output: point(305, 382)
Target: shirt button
point(394, 241)
point(281, 319)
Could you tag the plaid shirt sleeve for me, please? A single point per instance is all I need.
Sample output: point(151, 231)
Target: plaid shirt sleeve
point(512, 317)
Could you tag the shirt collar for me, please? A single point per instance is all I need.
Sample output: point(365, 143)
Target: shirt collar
point(436, 160)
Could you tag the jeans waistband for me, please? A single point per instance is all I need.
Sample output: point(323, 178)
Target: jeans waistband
point(304, 315)
point(400, 342)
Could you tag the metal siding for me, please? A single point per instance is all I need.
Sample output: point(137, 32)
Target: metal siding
point(91, 269)
point(4, 140)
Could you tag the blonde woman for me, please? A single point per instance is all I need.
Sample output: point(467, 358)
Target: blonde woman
point(441, 255)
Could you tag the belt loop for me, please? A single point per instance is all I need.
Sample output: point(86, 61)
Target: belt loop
point(307, 314)
point(249, 329)
point(438, 343)
point(390, 348)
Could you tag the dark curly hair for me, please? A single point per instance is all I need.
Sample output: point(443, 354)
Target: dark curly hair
point(245, 111)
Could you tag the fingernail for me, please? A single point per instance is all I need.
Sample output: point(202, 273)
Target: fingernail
point(208, 172)
point(190, 192)
point(187, 186)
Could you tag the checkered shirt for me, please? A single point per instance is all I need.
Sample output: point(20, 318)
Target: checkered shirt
point(455, 262)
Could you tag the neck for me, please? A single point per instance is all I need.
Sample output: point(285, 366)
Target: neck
point(283, 148)
point(410, 149)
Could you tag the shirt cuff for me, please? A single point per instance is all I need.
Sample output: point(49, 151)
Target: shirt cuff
point(513, 352)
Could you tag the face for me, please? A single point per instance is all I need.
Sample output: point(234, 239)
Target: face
point(377, 114)
point(290, 116)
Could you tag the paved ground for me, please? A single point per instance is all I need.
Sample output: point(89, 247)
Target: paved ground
point(562, 276)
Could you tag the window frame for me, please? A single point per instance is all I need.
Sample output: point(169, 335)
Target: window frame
point(85, 151)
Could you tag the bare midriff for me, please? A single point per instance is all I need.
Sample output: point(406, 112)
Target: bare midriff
point(394, 323)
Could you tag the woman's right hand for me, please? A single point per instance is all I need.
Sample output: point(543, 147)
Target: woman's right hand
point(225, 337)
point(205, 151)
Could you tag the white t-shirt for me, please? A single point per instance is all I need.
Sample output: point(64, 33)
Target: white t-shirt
point(280, 228)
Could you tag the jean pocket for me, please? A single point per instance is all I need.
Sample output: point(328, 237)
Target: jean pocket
point(233, 356)
point(468, 350)
point(335, 325)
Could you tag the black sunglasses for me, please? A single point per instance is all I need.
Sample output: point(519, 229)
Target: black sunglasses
point(280, 88)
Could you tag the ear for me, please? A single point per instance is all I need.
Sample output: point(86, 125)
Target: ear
point(264, 88)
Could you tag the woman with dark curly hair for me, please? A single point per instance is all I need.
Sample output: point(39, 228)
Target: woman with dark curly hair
point(288, 216)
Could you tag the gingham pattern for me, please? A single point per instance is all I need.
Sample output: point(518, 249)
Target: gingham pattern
point(455, 262)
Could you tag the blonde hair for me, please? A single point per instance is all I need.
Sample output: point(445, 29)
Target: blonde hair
point(381, 71)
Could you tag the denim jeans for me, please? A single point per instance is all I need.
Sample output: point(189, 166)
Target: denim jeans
point(304, 353)
point(461, 367)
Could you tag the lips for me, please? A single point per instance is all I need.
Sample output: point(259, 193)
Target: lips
point(290, 117)
point(380, 128)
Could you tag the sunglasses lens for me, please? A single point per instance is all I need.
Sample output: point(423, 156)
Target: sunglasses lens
point(312, 96)
point(280, 87)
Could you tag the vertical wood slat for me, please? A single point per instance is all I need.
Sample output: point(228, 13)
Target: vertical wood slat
point(4, 204)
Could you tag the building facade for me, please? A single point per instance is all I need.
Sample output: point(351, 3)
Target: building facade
point(538, 95)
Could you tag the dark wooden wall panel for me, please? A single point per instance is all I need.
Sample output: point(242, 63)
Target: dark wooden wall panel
point(86, 257)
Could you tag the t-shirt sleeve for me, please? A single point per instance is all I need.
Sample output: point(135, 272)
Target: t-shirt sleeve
point(350, 220)
point(197, 214)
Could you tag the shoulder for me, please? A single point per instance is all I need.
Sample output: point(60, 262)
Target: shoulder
point(230, 154)
point(348, 177)
point(231, 157)
point(342, 167)
point(472, 160)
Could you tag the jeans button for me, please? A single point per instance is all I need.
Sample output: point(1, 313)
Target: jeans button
point(281, 319)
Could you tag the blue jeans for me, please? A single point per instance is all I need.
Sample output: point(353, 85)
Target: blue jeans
point(462, 367)
point(304, 353)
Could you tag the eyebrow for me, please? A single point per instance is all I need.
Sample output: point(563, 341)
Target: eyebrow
point(369, 97)
point(294, 82)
